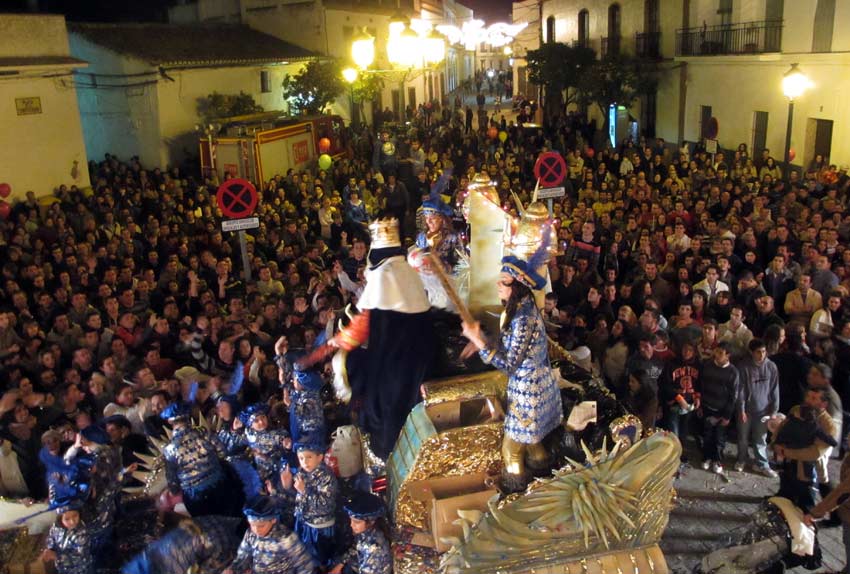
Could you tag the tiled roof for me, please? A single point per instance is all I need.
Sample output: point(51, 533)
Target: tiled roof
point(190, 44)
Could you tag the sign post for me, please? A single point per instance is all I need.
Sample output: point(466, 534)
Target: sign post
point(238, 198)
point(550, 169)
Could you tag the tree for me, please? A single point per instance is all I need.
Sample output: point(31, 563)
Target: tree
point(317, 84)
point(216, 106)
point(364, 89)
point(558, 67)
point(617, 80)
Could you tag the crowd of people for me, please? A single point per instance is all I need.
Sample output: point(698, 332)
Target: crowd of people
point(711, 291)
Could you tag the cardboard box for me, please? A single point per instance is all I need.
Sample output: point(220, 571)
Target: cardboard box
point(26, 557)
point(445, 496)
point(465, 413)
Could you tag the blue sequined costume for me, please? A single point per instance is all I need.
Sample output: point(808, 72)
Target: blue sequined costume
point(315, 512)
point(306, 416)
point(369, 555)
point(73, 549)
point(232, 441)
point(534, 401)
point(208, 543)
point(444, 243)
point(99, 511)
point(193, 466)
point(280, 552)
point(268, 448)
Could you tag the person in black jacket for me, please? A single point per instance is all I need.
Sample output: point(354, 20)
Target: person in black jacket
point(678, 392)
point(719, 389)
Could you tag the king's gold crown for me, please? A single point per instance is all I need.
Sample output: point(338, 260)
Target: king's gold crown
point(384, 233)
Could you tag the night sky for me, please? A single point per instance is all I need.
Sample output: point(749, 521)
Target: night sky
point(157, 10)
point(490, 10)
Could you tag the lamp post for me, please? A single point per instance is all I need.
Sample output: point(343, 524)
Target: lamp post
point(407, 51)
point(794, 83)
point(350, 75)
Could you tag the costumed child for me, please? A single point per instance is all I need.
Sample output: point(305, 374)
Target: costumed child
point(230, 434)
point(315, 501)
point(268, 546)
point(371, 551)
point(268, 445)
point(94, 452)
point(206, 545)
point(69, 542)
point(306, 416)
point(194, 467)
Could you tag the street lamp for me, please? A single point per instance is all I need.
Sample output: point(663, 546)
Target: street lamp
point(410, 48)
point(363, 50)
point(794, 83)
point(350, 76)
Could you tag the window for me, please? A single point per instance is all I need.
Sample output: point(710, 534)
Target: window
point(583, 27)
point(613, 30)
point(824, 23)
point(550, 29)
point(265, 81)
point(651, 17)
point(759, 133)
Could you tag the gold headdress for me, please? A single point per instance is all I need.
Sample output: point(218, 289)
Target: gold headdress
point(384, 233)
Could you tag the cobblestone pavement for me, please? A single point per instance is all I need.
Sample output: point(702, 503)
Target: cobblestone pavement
point(709, 510)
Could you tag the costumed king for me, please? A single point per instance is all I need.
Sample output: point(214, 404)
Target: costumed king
point(395, 326)
point(534, 400)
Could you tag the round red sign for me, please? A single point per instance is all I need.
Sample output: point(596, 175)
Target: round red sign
point(237, 198)
point(550, 169)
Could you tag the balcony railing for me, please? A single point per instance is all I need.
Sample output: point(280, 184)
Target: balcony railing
point(741, 38)
point(648, 45)
point(610, 46)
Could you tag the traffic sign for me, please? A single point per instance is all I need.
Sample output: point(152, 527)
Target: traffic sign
point(239, 224)
point(237, 198)
point(550, 168)
point(551, 192)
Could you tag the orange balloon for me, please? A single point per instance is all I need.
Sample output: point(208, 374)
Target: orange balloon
point(492, 133)
point(324, 145)
point(791, 154)
point(590, 152)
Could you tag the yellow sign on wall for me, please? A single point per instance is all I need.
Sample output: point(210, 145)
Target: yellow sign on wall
point(28, 106)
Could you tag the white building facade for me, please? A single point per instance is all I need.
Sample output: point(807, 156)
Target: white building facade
point(725, 59)
point(143, 91)
point(42, 139)
point(328, 27)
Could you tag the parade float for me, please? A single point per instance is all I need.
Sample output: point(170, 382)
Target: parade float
point(602, 507)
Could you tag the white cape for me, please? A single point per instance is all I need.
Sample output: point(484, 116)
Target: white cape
point(394, 286)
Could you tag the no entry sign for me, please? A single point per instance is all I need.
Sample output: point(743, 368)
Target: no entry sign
point(237, 198)
point(550, 168)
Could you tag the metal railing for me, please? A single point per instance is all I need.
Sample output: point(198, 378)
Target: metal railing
point(648, 45)
point(740, 38)
point(610, 46)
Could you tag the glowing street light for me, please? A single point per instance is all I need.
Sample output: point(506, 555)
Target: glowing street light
point(350, 75)
point(363, 50)
point(794, 84)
